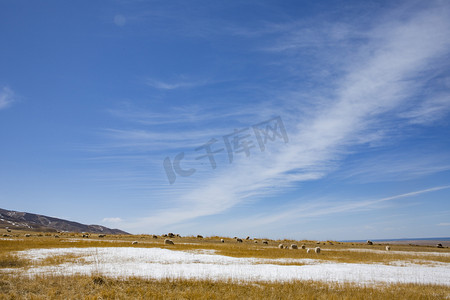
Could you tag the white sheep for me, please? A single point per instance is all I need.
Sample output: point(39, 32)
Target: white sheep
point(308, 250)
point(388, 248)
point(168, 242)
point(281, 246)
point(134, 243)
point(239, 240)
point(222, 240)
point(303, 247)
point(294, 246)
point(317, 250)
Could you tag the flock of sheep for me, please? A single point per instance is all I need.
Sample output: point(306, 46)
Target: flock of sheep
point(168, 241)
point(238, 240)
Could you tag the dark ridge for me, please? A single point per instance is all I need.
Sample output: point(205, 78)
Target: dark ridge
point(33, 222)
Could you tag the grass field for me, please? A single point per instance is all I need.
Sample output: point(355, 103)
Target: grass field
point(22, 262)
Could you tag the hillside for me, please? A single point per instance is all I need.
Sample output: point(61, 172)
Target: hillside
point(28, 221)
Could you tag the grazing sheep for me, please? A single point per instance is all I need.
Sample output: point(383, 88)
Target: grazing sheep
point(5, 235)
point(171, 235)
point(388, 248)
point(101, 235)
point(317, 250)
point(247, 238)
point(265, 242)
point(7, 229)
point(168, 242)
point(239, 240)
point(222, 240)
point(439, 246)
point(134, 243)
point(303, 247)
point(199, 236)
point(318, 242)
point(155, 236)
point(369, 243)
point(281, 246)
point(294, 246)
point(308, 250)
point(27, 235)
point(256, 242)
point(56, 236)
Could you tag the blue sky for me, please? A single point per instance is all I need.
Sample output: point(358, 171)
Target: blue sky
point(96, 95)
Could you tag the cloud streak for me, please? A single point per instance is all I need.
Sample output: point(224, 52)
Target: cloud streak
point(112, 220)
point(7, 96)
point(319, 208)
point(377, 83)
point(174, 85)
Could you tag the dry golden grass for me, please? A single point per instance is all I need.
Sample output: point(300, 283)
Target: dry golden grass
point(338, 252)
point(8, 260)
point(16, 286)
point(60, 259)
point(97, 287)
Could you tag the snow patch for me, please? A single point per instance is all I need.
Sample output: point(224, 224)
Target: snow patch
point(159, 263)
point(394, 252)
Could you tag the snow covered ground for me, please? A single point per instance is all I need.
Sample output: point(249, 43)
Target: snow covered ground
point(395, 252)
point(162, 263)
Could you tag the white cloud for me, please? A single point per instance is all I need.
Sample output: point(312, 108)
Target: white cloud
point(6, 97)
point(443, 224)
point(397, 166)
point(429, 110)
point(120, 20)
point(174, 85)
point(378, 82)
point(372, 82)
point(313, 208)
point(191, 114)
point(112, 220)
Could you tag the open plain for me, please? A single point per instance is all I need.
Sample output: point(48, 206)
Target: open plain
point(68, 265)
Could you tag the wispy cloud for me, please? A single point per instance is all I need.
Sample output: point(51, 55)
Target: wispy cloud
point(112, 220)
point(174, 85)
point(395, 166)
point(443, 224)
point(376, 83)
point(430, 110)
point(7, 96)
point(120, 20)
point(320, 207)
point(187, 115)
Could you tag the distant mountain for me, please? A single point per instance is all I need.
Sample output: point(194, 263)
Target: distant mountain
point(27, 221)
